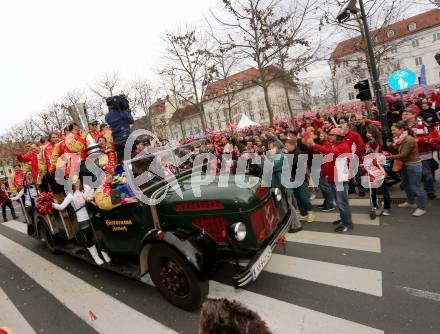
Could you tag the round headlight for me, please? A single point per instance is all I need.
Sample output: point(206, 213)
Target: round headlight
point(278, 194)
point(240, 231)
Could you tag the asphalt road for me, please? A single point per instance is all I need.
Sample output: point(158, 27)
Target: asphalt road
point(381, 278)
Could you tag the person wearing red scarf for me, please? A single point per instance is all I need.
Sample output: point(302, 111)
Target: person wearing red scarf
point(32, 158)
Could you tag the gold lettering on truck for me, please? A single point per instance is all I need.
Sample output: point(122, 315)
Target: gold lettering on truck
point(118, 225)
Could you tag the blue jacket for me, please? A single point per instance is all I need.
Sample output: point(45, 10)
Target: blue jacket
point(119, 122)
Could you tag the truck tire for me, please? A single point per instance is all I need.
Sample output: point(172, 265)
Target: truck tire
point(47, 238)
point(175, 278)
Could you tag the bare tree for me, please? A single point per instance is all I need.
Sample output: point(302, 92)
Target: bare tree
point(252, 25)
point(294, 51)
point(190, 63)
point(329, 89)
point(169, 82)
point(226, 59)
point(144, 95)
point(380, 14)
point(107, 85)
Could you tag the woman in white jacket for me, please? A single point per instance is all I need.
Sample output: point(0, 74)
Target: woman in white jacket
point(78, 198)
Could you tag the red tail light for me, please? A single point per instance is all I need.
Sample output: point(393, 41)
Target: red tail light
point(216, 227)
point(265, 220)
point(199, 205)
point(262, 192)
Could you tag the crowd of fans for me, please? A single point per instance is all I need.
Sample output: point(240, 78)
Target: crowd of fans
point(413, 138)
point(408, 142)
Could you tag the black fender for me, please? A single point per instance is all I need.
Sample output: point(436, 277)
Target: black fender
point(198, 249)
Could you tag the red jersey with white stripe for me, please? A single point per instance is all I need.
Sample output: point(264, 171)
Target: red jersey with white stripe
point(425, 139)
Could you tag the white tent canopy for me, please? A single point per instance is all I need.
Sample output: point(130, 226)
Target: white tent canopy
point(246, 122)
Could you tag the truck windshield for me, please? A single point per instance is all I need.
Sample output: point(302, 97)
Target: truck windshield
point(162, 164)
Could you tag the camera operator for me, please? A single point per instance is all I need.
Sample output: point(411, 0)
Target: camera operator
point(120, 120)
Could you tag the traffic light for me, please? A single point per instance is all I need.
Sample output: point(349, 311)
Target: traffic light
point(364, 90)
point(437, 57)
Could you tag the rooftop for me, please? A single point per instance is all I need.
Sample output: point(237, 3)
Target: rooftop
point(400, 29)
point(240, 80)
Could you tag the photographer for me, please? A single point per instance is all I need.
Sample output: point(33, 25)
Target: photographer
point(120, 120)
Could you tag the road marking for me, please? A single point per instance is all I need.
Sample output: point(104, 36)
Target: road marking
point(346, 277)
point(351, 278)
point(352, 201)
point(282, 317)
point(422, 294)
point(16, 225)
point(80, 297)
point(356, 242)
point(11, 317)
point(358, 218)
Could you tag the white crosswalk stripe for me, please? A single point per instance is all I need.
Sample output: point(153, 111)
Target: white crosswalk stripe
point(353, 201)
point(11, 317)
point(346, 277)
point(356, 242)
point(282, 317)
point(80, 297)
point(358, 218)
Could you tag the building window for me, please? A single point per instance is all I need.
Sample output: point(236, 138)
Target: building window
point(415, 43)
point(1, 172)
point(351, 96)
point(419, 80)
point(412, 26)
point(436, 37)
point(419, 61)
point(10, 171)
point(348, 80)
point(390, 33)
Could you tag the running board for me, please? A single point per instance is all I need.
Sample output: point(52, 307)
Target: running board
point(117, 266)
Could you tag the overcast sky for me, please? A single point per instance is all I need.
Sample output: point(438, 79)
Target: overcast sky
point(49, 47)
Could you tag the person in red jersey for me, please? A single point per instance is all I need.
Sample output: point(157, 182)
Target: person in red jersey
point(338, 148)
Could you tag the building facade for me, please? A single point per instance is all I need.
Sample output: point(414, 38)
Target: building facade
point(408, 44)
point(185, 122)
point(247, 97)
point(175, 120)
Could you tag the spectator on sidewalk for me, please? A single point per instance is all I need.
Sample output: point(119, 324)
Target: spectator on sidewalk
point(5, 201)
point(405, 146)
point(425, 140)
point(301, 193)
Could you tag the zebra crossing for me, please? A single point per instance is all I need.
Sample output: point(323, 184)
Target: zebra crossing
point(283, 315)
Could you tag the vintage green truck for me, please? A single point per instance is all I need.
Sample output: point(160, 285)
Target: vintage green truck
point(182, 240)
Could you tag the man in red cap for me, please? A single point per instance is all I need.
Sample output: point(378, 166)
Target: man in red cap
point(339, 187)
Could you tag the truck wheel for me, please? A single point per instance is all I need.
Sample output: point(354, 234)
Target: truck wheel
point(175, 278)
point(47, 237)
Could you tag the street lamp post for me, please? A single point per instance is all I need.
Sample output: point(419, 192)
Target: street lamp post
point(344, 15)
point(376, 83)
